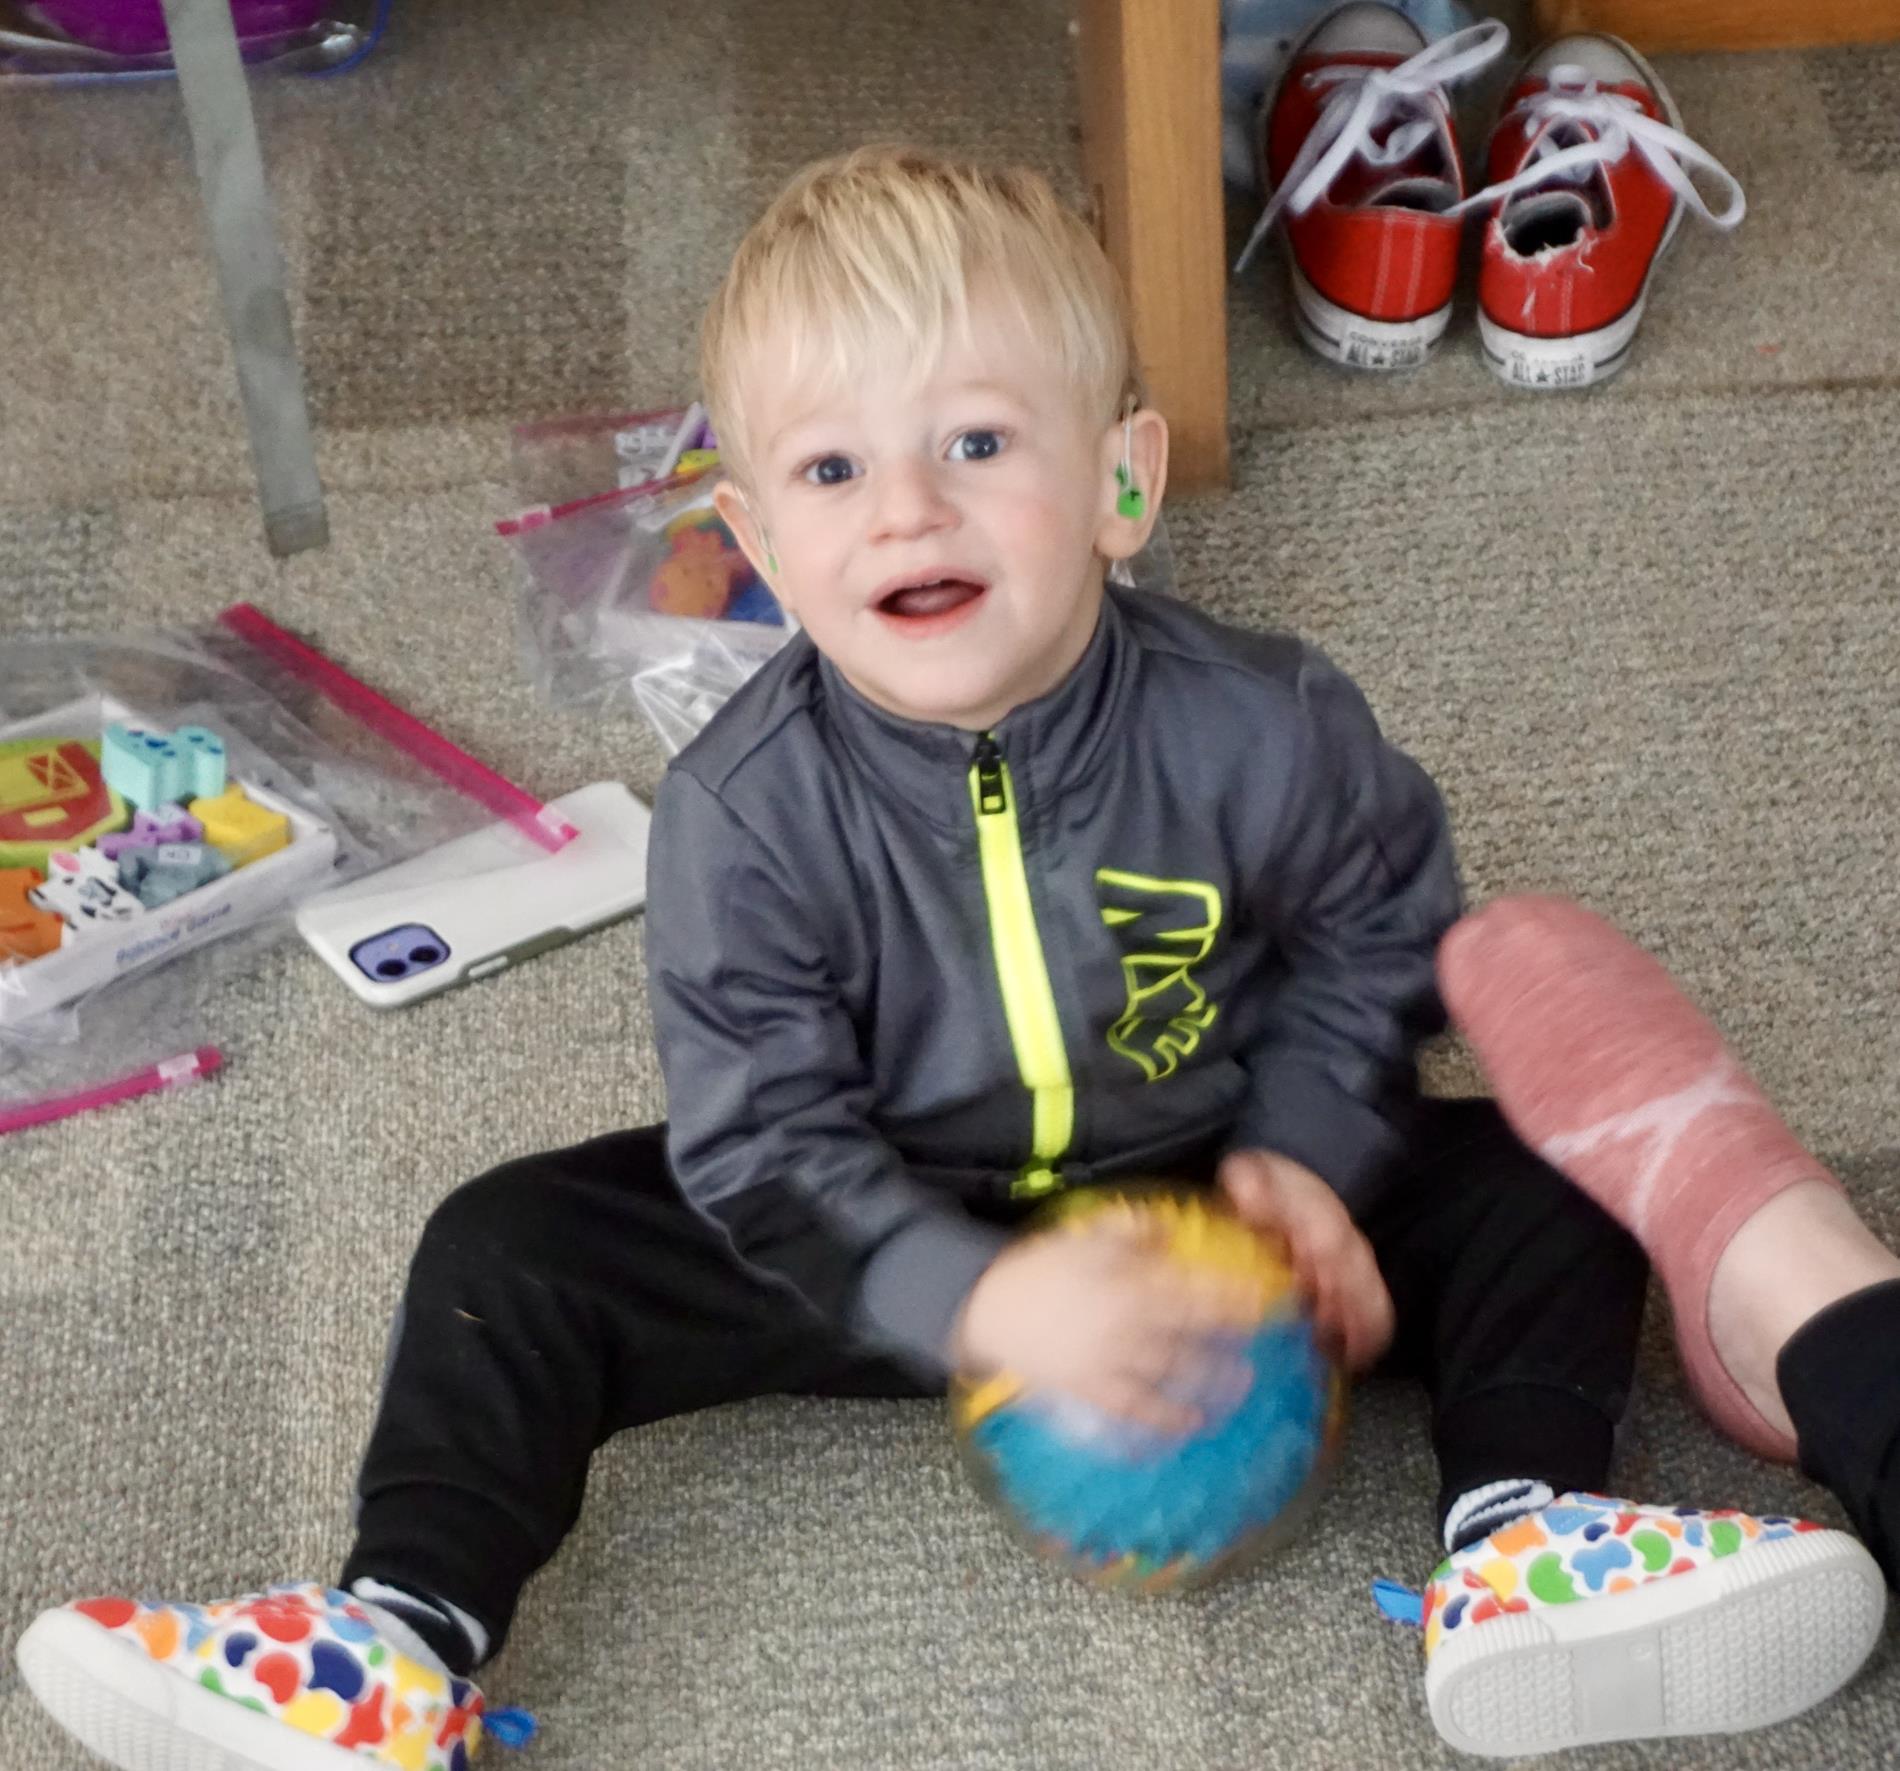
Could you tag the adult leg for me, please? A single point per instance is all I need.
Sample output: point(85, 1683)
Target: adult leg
point(1606, 1067)
point(1841, 1378)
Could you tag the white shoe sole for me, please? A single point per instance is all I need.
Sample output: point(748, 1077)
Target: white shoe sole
point(1753, 1639)
point(1549, 365)
point(1354, 342)
point(118, 1702)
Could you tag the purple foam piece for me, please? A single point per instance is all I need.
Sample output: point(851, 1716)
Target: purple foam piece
point(149, 830)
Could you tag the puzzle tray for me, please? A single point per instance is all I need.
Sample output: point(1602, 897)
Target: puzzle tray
point(242, 897)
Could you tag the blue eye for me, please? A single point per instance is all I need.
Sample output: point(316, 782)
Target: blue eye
point(977, 445)
point(829, 470)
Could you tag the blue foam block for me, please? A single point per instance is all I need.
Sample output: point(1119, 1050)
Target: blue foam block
point(143, 766)
point(203, 753)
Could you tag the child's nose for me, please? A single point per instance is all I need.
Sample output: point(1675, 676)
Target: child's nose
point(911, 501)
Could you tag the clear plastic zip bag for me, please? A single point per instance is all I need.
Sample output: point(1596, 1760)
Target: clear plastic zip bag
point(167, 800)
point(641, 598)
point(634, 595)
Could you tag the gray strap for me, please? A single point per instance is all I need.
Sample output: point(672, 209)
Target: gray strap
point(250, 264)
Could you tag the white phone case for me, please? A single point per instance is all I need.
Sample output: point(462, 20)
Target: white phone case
point(474, 906)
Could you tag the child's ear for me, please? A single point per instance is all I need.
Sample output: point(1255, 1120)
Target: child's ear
point(735, 511)
point(1131, 500)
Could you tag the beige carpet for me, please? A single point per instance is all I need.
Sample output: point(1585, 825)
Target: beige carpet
point(1646, 638)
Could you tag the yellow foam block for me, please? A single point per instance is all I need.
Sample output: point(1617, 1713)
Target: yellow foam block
point(239, 830)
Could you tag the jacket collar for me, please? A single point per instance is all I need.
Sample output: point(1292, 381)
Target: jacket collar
point(1051, 744)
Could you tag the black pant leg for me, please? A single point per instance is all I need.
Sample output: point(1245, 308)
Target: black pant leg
point(1839, 1377)
point(1518, 1302)
point(550, 1304)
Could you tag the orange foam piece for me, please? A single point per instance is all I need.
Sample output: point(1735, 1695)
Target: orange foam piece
point(26, 931)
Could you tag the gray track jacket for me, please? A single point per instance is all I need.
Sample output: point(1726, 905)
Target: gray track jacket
point(1187, 901)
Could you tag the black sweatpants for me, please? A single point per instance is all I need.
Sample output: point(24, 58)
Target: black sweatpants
point(1839, 1377)
point(564, 1298)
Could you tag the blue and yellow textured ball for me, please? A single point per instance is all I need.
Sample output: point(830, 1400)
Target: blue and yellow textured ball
point(1122, 1510)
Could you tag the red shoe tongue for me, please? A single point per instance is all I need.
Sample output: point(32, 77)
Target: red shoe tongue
point(930, 599)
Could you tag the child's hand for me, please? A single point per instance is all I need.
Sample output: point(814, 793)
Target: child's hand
point(1101, 1313)
point(1352, 1309)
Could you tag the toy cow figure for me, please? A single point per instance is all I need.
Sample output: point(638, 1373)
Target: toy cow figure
point(83, 890)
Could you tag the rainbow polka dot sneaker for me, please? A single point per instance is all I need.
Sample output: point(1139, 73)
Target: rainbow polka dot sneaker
point(1593, 1620)
point(296, 1679)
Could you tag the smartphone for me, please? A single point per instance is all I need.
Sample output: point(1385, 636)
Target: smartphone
point(475, 906)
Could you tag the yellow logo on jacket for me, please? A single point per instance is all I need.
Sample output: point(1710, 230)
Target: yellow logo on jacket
point(1166, 928)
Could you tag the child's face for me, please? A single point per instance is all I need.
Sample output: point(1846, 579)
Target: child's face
point(941, 539)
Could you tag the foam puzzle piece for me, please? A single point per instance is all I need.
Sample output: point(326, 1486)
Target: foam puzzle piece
point(26, 931)
point(167, 823)
point(143, 765)
point(240, 830)
point(203, 751)
point(155, 876)
point(82, 889)
point(53, 795)
point(152, 768)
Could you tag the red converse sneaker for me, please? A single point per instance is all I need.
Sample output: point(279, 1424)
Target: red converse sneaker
point(1358, 153)
point(1588, 185)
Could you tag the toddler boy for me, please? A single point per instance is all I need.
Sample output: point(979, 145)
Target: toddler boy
point(996, 881)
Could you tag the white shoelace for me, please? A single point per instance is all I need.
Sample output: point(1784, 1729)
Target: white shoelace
point(1364, 99)
point(1571, 99)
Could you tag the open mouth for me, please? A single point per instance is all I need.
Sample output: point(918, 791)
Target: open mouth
point(930, 601)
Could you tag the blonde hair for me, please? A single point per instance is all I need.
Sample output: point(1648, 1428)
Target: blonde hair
point(877, 250)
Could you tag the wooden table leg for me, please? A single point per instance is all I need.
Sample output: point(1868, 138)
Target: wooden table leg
point(1150, 72)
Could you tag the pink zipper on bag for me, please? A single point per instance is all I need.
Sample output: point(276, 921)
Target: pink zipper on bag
point(543, 514)
point(541, 823)
point(178, 1072)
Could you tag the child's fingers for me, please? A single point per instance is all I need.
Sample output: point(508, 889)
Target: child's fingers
point(1218, 1383)
point(1168, 1295)
point(1216, 1303)
point(1130, 1399)
point(1187, 1359)
point(1352, 1309)
point(1248, 1181)
point(1310, 1218)
point(1365, 1310)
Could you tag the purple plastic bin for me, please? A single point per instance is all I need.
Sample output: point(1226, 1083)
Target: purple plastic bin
point(137, 27)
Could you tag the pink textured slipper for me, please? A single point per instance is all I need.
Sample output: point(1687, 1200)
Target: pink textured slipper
point(1612, 1075)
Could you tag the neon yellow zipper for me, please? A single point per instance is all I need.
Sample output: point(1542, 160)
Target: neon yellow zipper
point(1029, 1004)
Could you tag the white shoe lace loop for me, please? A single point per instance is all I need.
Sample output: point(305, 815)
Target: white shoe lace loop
point(1573, 99)
point(1366, 98)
